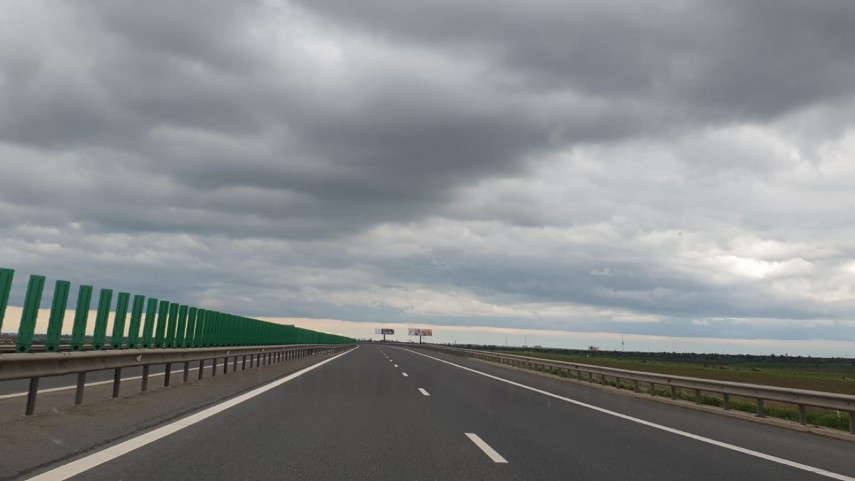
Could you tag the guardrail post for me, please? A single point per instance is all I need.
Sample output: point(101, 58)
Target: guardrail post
point(673, 392)
point(802, 414)
point(226, 364)
point(117, 380)
point(186, 371)
point(144, 386)
point(81, 317)
point(761, 412)
point(167, 374)
point(697, 396)
point(117, 340)
point(100, 332)
point(6, 276)
point(851, 422)
point(201, 368)
point(243, 365)
point(213, 367)
point(31, 396)
point(24, 341)
point(726, 401)
point(136, 318)
point(81, 385)
point(234, 366)
point(57, 315)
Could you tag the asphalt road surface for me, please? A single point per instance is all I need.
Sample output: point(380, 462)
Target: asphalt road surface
point(386, 413)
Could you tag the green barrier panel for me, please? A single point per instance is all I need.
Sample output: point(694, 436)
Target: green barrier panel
point(148, 328)
point(57, 315)
point(171, 325)
point(100, 332)
point(199, 336)
point(35, 287)
point(81, 317)
point(182, 326)
point(166, 324)
point(119, 320)
point(6, 276)
point(210, 325)
point(190, 338)
point(162, 311)
point(136, 317)
point(210, 329)
point(217, 337)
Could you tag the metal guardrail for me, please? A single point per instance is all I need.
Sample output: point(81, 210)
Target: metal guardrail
point(35, 366)
point(799, 397)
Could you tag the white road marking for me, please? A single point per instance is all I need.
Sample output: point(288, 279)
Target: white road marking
point(424, 392)
point(405, 374)
point(97, 383)
point(84, 464)
point(703, 439)
point(396, 365)
point(496, 457)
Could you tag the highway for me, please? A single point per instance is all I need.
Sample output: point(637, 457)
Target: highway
point(389, 413)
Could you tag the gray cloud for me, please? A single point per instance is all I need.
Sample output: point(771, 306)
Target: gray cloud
point(668, 169)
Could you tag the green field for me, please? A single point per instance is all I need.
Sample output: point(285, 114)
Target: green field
point(825, 375)
point(818, 374)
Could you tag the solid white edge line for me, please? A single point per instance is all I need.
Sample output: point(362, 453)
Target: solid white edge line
point(424, 392)
point(489, 451)
point(89, 384)
point(750, 452)
point(405, 374)
point(86, 463)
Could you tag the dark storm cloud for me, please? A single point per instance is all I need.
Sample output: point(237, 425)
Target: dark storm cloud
point(457, 162)
point(722, 60)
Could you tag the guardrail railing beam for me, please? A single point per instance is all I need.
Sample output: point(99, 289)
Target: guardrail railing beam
point(675, 384)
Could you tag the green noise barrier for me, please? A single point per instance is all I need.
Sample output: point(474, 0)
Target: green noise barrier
point(154, 323)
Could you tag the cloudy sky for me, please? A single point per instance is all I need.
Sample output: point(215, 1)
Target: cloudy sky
point(669, 169)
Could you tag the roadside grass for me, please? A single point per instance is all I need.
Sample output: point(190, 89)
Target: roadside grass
point(839, 378)
point(830, 381)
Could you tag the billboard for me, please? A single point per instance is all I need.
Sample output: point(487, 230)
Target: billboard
point(384, 331)
point(420, 332)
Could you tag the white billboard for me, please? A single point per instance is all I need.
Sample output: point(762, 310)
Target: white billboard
point(420, 332)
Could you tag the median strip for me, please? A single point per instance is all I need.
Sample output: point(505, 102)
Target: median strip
point(86, 463)
point(97, 383)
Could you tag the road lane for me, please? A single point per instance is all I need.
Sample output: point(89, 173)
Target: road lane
point(359, 418)
point(354, 418)
point(534, 424)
